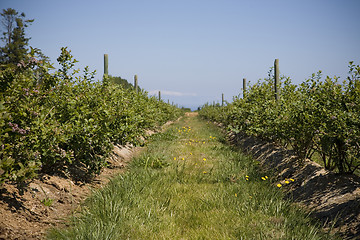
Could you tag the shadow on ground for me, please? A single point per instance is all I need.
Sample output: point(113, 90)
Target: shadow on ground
point(332, 198)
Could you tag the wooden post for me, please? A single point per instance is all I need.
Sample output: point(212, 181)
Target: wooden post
point(244, 87)
point(276, 82)
point(222, 99)
point(106, 65)
point(159, 96)
point(136, 83)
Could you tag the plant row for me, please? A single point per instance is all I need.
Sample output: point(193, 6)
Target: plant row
point(317, 118)
point(55, 120)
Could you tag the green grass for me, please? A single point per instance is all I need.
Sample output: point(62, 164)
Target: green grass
point(189, 184)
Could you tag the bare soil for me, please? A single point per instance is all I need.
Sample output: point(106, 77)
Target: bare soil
point(332, 198)
point(28, 212)
point(191, 114)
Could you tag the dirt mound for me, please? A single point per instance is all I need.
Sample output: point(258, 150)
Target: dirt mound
point(331, 197)
point(27, 212)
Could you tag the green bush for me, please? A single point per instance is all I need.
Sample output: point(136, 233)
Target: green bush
point(316, 116)
point(52, 121)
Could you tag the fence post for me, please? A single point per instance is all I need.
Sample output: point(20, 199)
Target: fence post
point(244, 87)
point(222, 99)
point(106, 65)
point(159, 96)
point(276, 83)
point(136, 83)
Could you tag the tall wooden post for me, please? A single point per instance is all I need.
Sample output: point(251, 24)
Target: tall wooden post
point(106, 65)
point(159, 96)
point(276, 82)
point(136, 83)
point(244, 87)
point(222, 99)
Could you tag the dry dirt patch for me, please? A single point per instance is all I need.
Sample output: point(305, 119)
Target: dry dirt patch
point(191, 114)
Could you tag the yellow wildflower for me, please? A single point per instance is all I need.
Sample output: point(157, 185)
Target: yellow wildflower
point(279, 185)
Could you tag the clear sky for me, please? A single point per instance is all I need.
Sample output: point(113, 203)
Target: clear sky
point(195, 50)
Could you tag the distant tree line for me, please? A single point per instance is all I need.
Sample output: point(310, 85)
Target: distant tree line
point(121, 81)
point(15, 49)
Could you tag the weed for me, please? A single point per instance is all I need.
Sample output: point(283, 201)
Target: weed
point(47, 202)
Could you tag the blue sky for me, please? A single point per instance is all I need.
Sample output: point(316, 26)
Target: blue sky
point(195, 50)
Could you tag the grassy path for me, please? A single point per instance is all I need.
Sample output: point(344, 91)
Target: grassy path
point(189, 184)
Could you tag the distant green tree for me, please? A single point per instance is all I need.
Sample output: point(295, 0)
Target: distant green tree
point(16, 43)
point(120, 81)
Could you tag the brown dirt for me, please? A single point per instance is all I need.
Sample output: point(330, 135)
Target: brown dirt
point(23, 212)
point(332, 198)
point(191, 114)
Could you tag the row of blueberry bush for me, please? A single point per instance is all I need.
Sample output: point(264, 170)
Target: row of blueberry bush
point(52, 120)
point(319, 118)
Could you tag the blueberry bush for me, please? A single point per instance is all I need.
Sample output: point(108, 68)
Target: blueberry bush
point(315, 118)
point(52, 120)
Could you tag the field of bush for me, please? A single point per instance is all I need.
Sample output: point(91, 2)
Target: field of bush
point(317, 118)
point(53, 120)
